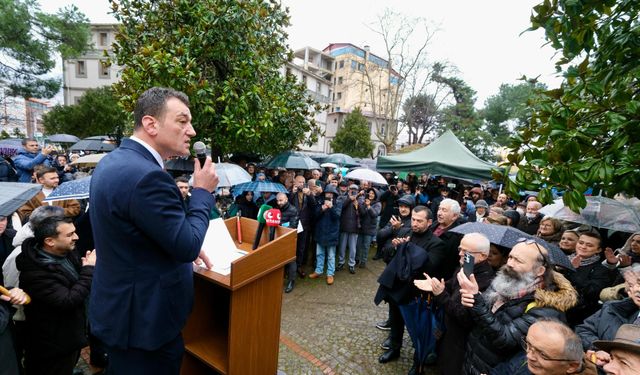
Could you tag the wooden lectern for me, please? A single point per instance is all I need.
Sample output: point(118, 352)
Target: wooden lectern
point(235, 324)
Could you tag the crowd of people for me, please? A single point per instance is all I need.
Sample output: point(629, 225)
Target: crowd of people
point(517, 312)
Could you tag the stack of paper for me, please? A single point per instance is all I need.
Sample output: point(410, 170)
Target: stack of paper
point(220, 247)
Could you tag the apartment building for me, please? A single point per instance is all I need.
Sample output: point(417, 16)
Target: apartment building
point(22, 115)
point(91, 70)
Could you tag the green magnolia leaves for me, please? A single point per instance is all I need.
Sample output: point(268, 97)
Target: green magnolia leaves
point(227, 56)
point(584, 134)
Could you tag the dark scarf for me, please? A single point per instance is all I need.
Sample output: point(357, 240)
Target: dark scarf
point(64, 262)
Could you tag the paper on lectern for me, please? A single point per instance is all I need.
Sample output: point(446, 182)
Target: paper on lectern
point(220, 247)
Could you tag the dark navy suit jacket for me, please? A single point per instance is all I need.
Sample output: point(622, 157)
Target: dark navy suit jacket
point(142, 288)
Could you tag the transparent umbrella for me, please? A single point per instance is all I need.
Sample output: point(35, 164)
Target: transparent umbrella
point(600, 212)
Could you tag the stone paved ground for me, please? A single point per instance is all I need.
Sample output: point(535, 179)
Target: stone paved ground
point(331, 329)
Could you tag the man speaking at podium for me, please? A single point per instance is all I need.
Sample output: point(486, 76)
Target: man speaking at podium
point(142, 288)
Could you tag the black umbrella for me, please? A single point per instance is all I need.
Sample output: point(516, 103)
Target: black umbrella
point(179, 165)
point(292, 160)
point(508, 236)
point(14, 194)
point(92, 145)
point(63, 138)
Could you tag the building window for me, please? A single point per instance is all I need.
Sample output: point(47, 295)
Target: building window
point(339, 80)
point(318, 87)
point(339, 95)
point(341, 64)
point(76, 99)
point(353, 65)
point(304, 79)
point(104, 39)
point(105, 71)
point(337, 109)
point(81, 69)
point(360, 67)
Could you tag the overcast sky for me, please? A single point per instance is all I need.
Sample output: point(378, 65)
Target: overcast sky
point(481, 38)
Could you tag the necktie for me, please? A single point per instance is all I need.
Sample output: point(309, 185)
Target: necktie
point(637, 321)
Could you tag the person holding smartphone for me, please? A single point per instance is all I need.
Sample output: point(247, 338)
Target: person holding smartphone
point(474, 247)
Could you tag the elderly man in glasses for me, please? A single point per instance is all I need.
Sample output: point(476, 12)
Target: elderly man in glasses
point(550, 348)
point(523, 291)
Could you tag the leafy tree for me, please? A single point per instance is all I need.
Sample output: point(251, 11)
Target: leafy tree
point(509, 110)
point(420, 116)
point(18, 134)
point(227, 56)
point(4, 134)
point(462, 118)
point(97, 112)
point(585, 132)
point(29, 42)
point(354, 137)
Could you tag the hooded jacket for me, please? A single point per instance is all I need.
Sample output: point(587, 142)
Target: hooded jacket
point(496, 336)
point(56, 316)
point(369, 216)
point(327, 227)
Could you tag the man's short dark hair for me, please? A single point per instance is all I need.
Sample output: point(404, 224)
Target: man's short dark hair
point(42, 171)
point(152, 103)
point(419, 208)
point(48, 228)
point(26, 140)
point(593, 234)
point(40, 213)
point(182, 179)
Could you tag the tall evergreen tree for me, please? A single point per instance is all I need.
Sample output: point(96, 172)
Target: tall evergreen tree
point(354, 137)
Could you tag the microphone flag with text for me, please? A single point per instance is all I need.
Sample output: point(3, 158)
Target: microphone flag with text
point(261, 223)
point(273, 217)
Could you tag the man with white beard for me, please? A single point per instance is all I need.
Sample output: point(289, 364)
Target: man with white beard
point(524, 290)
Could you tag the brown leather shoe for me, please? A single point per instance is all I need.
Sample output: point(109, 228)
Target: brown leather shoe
point(315, 275)
point(329, 280)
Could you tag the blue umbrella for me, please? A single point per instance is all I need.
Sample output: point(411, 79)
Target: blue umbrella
point(423, 320)
point(76, 189)
point(508, 236)
point(14, 194)
point(259, 187)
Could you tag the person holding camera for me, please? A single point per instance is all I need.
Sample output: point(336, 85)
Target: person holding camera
point(349, 228)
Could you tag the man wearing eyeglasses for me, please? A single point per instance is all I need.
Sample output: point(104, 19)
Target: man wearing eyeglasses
point(549, 348)
point(457, 318)
point(523, 291)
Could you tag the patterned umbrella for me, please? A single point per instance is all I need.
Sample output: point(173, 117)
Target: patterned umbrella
point(342, 160)
point(600, 212)
point(14, 194)
point(10, 147)
point(76, 189)
point(259, 186)
point(292, 160)
point(508, 237)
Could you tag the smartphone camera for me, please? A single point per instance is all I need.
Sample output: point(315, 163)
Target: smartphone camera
point(467, 264)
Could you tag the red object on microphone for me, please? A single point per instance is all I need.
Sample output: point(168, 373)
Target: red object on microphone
point(272, 217)
point(239, 227)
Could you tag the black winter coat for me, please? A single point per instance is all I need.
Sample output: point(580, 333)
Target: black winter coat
point(56, 317)
point(289, 215)
point(369, 217)
point(588, 281)
point(530, 226)
point(604, 324)
point(496, 337)
point(305, 211)
point(452, 241)
point(396, 283)
point(389, 202)
point(350, 218)
point(457, 319)
point(388, 233)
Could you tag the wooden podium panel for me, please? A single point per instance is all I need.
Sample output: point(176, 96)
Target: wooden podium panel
point(235, 324)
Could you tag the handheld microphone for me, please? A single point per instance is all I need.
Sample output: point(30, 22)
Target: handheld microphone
point(261, 223)
point(239, 226)
point(201, 152)
point(273, 217)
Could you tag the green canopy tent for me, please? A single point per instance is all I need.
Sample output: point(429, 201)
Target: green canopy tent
point(445, 156)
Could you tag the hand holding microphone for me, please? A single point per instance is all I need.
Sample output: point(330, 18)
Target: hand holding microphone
point(204, 171)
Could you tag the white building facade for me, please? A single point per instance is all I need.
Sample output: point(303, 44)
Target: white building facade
point(91, 70)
